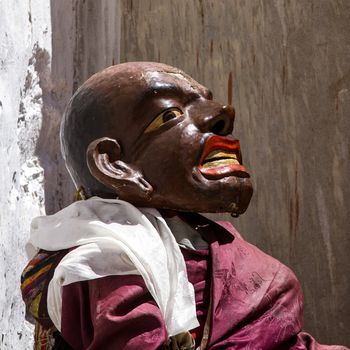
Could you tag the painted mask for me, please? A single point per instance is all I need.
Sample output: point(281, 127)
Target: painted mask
point(151, 135)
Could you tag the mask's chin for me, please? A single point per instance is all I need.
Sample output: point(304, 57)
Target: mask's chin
point(206, 198)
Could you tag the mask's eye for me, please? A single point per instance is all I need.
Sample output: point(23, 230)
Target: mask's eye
point(163, 117)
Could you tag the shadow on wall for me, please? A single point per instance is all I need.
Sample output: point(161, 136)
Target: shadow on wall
point(58, 187)
point(56, 86)
point(85, 39)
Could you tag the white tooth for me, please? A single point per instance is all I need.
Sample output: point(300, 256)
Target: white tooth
point(221, 154)
point(220, 162)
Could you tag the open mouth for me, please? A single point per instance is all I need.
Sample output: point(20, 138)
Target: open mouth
point(221, 157)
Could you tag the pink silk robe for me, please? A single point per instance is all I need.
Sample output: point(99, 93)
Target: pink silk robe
point(254, 302)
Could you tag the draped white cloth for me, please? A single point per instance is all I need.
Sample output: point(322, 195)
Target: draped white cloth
point(115, 238)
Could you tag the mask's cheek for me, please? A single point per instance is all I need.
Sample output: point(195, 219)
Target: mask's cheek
point(167, 158)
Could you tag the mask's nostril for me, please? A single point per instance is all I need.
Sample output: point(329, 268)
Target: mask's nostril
point(219, 128)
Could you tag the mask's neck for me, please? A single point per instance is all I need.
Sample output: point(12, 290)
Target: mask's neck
point(185, 235)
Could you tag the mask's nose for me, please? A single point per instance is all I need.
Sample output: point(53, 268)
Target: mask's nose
point(218, 120)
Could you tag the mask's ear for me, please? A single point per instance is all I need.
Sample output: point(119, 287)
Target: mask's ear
point(103, 159)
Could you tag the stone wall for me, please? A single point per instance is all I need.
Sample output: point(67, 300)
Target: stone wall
point(283, 64)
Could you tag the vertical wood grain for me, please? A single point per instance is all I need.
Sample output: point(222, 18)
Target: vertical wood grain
point(289, 68)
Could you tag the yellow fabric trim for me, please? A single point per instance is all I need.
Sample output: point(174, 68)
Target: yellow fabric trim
point(34, 306)
point(36, 275)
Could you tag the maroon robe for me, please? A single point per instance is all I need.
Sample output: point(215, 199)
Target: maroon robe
point(254, 302)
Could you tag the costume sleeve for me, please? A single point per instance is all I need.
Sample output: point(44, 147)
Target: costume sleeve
point(114, 312)
point(257, 302)
point(273, 323)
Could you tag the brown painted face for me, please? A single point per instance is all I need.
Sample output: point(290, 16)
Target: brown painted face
point(168, 144)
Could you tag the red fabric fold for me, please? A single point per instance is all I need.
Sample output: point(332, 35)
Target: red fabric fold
point(256, 303)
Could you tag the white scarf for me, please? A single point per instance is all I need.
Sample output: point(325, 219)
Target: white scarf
point(115, 238)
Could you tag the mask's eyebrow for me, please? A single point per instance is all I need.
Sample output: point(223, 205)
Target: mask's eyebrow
point(158, 89)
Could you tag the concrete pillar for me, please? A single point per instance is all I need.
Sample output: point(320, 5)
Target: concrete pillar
point(46, 50)
point(25, 39)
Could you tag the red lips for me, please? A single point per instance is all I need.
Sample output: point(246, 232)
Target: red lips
point(224, 144)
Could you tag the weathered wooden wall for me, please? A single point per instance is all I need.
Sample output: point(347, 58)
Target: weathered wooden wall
point(290, 68)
